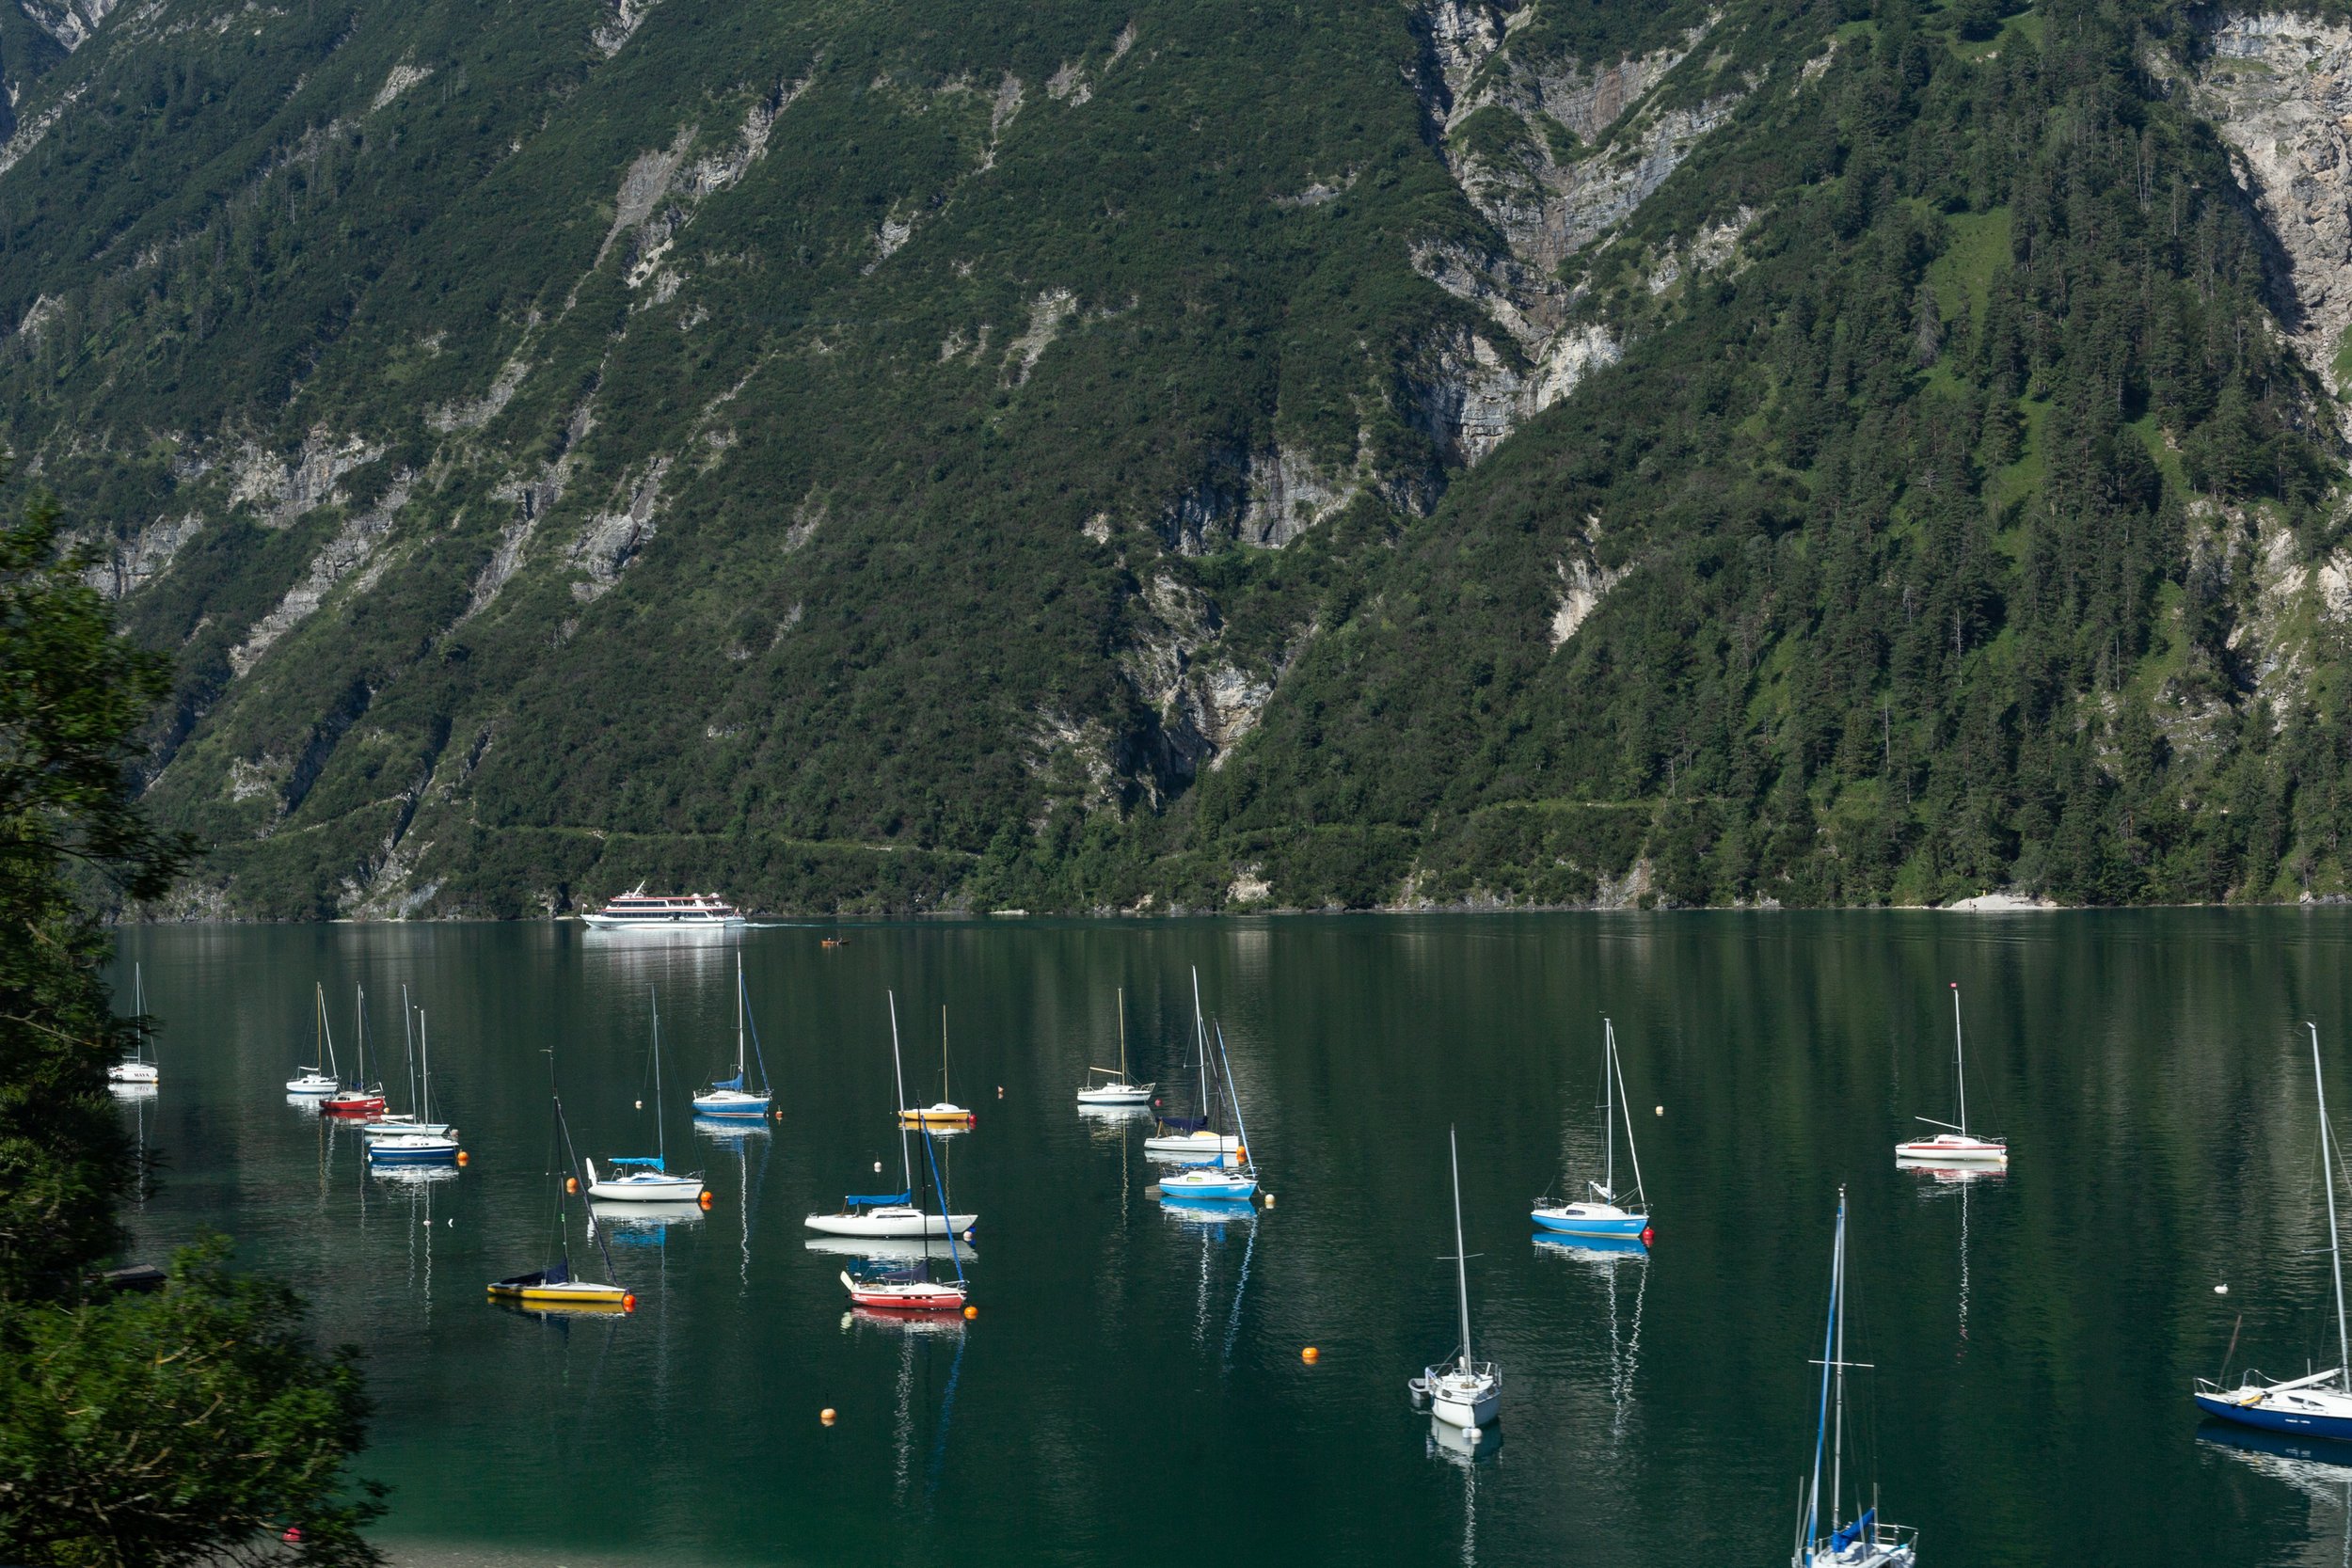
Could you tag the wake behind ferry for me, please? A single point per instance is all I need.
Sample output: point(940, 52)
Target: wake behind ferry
point(638, 911)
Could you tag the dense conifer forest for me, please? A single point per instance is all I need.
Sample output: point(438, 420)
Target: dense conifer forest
point(1204, 456)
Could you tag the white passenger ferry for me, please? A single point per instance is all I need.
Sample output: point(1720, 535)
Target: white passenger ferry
point(638, 911)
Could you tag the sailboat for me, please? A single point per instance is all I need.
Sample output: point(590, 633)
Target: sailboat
point(417, 1146)
point(1601, 1215)
point(1954, 1146)
point(1463, 1391)
point(554, 1287)
point(135, 1072)
point(1115, 1090)
point(2318, 1404)
point(947, 1113)
point(1864, 1541)
point(647, 1177)
point(1232, 1179)
point(893, 1213)
point(1194, 1139)
point(311, 1079)
point(360, 1099)
point(410, 1120)
point(907, 1287)
point(731, 1099)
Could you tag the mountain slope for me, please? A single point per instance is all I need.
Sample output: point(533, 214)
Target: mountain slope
point(886, 458)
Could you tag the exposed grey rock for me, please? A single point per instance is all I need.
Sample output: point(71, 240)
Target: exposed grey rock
point(345, 553)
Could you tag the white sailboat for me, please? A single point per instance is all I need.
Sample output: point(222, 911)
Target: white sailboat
point(137, 1071)
point(1601, 1215)
point(1232, 1178)
point(1822, 1542)
point(1463, 1391)
point(1195, 1140)
point(892, 1214)
point(2318, 1404)
point(647, 1178)
point(946, 1115)
point(734, 1099)
point(1116, 1089)
point(428, 1143)
point(315, 1080)
point(886, 1285)
point(1955, 1145)
point(394, 1122)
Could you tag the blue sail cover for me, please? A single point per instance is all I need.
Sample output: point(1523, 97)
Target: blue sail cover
point(1852, 1532)
point(649, 1161)
point(878, 1200)
point(734, 1082)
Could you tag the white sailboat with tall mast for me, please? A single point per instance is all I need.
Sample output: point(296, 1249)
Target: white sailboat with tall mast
point(1955, 1145)
point(138, 1069)
point(391, 1123)
point(1601, 1215)
point(893, 1213)
point(1229, 1179)
point(647, 1178)
point(1116, 1089)
point(321, 1077)
point(1822, 1540)
point(1462, 1391)
point(1195, 1139)
point(2318, 1404)
point(734, 1099)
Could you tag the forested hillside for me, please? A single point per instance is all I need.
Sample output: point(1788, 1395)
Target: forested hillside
point(906, 456)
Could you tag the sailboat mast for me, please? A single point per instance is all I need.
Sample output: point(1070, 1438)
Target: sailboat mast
point(408, 1049)
point(1201, 1036)
point(138, 1013)
point(660, 1143)
point(1608, 1108)
point(327, 1031)
point(359, 1037)
point(424, 1107)
point(898, 1075)
point(1838, 1448)
point(1122, 1034)
point(1829, 1348)
point(1625, 1109)
point(946, 1095)
point(1461, 1263)
point(2335, 1249)
point(1960, 1060)
point(738, 1021)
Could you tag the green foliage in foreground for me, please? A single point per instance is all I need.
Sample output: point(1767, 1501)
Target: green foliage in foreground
point(189, 1425)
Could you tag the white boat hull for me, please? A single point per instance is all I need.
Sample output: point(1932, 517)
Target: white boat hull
point(132, 1072)
point(1948, 1148)
point(1119, 1094)
point(642, 1187)
point(892, 1222)
point(1464, 1400)
point(313, 1082)
point(1202, 1147)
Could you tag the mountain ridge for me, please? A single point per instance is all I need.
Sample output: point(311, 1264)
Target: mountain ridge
point(899, 459)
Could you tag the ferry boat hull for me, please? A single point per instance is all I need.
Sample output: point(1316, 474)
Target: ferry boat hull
point(667, 912)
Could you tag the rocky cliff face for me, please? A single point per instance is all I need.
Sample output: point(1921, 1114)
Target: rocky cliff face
point(2278, 89)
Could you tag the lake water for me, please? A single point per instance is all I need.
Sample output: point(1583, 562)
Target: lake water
point(1132, 1389)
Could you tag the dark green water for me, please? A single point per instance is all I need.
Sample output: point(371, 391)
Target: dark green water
point(1132, 1391)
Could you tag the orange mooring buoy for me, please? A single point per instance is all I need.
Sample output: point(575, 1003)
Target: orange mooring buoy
point(705, 1199)
point(461, 1156)
point(571, 1183)
point(628, 1302)
point(826, 1414)
point(1310, 1355)
point(971, 1313)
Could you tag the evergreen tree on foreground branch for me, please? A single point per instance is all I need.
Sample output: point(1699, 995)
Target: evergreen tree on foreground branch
point(193, 1424)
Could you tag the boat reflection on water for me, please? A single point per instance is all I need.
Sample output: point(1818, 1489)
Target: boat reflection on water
point(643, 1224)
point(740, 1138)
point(1954, 1182)
point(1948, 1175)
point(1461, 1444)
point(1210, 1213)
point(889, 1249)
point(2317, 1467)
point(1466, 1449)
point(1610, 1257)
